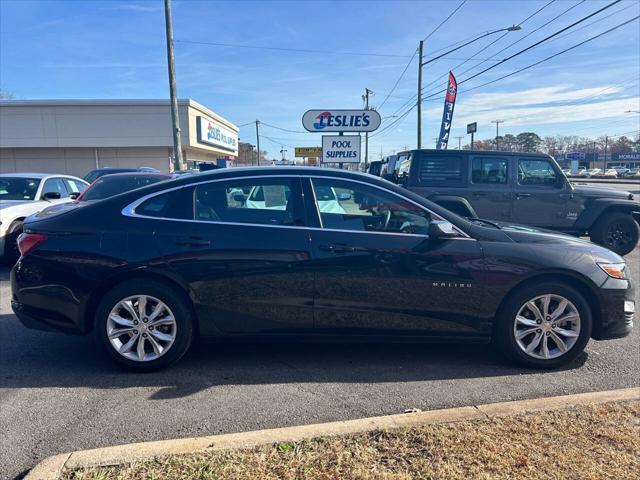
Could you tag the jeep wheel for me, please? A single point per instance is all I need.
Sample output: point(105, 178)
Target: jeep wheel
point(617, 231)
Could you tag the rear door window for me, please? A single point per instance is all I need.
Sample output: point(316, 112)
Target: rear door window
point(489, 170)
point(260, 201)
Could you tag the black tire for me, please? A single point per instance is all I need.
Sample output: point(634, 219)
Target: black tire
point(11, 252)
point(616, 231)
point(504, 334)
point(178, 306)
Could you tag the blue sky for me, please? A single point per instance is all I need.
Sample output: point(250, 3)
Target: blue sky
point(116, 49)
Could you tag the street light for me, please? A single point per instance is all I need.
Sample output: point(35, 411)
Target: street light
point(512, 28)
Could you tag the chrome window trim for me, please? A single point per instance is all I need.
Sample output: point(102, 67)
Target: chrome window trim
point(129, 210)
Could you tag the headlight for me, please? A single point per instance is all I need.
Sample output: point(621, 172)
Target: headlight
point(615, 270)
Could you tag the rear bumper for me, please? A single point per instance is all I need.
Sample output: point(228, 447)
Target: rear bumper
point(617, 310)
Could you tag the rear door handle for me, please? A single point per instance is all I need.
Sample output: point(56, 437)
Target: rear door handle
point(338, 248)
point(522, 195)
point(192, 242)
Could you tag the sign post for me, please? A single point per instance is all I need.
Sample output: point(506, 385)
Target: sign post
point(472, 128)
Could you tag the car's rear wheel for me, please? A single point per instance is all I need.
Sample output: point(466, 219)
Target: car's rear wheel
point(544, 326)
point(144, 325)
point(617, 231)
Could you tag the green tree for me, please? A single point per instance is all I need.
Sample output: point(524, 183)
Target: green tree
point(529, 142)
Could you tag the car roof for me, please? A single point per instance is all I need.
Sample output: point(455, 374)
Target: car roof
point(39, 176)
point(136, 174)
point(475, 152)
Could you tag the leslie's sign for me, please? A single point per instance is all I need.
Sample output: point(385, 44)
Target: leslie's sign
point(216, 135)
point(341, 120)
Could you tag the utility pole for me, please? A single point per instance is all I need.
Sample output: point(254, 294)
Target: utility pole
point(177, 141)
point(497, 122)
point(604, 162)
point(258, 140)
point(365, 97)
point(420, 48)
point(460, 142)
point(283, 151)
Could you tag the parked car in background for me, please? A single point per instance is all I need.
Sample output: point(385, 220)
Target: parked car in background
point(594, 172)
point(622, 171)
point(172, 261)
point(22, 194)
point(113, 184)
point(98, 172)
point(612, 172)
point(525, 188)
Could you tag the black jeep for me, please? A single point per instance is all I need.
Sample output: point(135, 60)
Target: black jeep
point(525, 188)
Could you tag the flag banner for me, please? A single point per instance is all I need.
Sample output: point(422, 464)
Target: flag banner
point(447, 115)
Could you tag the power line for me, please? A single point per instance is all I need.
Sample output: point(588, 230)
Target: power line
point(474, 55)
point(283, 129)
point(297, 50)
point(398, 80)
point(445, 20)
point(511, 44)
point(547, 58)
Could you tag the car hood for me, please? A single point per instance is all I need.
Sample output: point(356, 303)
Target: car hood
point(12, 203)
point(597, 191)
point(557, 241)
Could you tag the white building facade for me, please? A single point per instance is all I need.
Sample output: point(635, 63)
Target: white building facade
point(76, 136)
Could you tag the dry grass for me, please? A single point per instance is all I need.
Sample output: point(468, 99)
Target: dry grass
point(592, 442)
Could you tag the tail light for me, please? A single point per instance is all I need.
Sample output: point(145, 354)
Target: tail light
point(27, 242)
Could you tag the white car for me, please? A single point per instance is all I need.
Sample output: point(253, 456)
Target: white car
point(594, 172)
point(23, 194)
point(276, 199)
point(611, 173)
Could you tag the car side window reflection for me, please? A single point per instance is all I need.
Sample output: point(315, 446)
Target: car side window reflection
point(264, 201)
point(345, 205)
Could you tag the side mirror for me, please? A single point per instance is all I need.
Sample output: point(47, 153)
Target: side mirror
point(441, 229)
point(344, 196)
point(74, 195)
point(51, 196)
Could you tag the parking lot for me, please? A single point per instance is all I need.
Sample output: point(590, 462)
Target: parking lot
point(60, 394)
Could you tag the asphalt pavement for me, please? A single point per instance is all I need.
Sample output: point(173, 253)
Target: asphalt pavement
point(59, 393)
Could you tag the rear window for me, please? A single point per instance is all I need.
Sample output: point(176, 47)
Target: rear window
point(109, 186)
point(440, 170)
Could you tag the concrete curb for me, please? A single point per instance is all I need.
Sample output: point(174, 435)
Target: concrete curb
point(52, 467)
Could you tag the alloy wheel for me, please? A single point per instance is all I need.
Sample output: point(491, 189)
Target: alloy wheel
point(141, 328)
point(547, 326)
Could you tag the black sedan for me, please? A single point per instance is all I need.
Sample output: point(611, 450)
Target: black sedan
point(307, 253)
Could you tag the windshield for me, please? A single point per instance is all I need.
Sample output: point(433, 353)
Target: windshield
point(106, 186)
point(17, 188)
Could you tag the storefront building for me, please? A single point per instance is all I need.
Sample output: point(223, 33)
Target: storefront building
point(76, 136)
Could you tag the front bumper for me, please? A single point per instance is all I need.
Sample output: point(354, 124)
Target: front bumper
point(617, 310)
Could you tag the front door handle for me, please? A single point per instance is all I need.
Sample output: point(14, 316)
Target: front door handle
point(522, 195)
point(192, 242)
point(338, 248)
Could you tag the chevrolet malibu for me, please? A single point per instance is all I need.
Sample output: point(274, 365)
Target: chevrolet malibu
point(149, 270)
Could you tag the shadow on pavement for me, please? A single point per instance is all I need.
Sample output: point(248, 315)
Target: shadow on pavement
point(31, 359)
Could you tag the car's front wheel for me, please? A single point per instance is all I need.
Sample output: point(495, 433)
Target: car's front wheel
point(544, 326)
point(144, 325)
point(617, 231)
